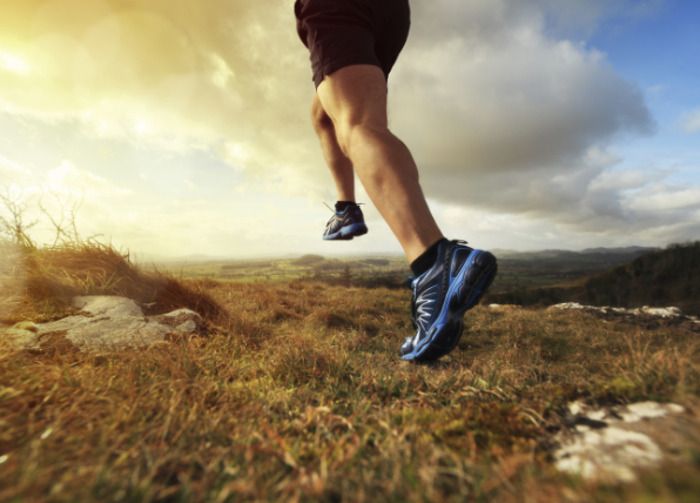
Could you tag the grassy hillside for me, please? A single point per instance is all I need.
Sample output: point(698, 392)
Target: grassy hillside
point(297, 394)
point(660, 278)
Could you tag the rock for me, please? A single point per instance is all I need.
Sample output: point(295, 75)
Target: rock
point(108, 305)
point(647, 410)
point(670, 312)
point(504, 307)
point(663, 312)
point(569, 305)
point(24, 334)
point(108, 322)
point(610, 454)
point(609, 444)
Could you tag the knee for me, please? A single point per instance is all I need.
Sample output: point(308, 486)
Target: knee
point(356, 135)
point(319, 118)
point(347, 133)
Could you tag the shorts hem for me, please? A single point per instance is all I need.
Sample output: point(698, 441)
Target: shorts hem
point(333, 66)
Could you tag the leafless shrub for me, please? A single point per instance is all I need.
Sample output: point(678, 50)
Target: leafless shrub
point(63, 222)
point(38, 282)
point(13, 224)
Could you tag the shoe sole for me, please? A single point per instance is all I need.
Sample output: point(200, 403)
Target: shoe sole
point(465, 292)
point(347, 232)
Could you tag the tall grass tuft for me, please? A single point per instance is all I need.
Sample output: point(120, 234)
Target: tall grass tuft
point(39, 283)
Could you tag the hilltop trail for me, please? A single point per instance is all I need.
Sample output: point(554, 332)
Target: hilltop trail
point(298, 393)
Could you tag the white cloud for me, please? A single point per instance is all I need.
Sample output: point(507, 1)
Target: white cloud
point(660, 198)
point(68, 181)
point(691, 121)
point(502, 116)
point(10, 169)
point(481, 84)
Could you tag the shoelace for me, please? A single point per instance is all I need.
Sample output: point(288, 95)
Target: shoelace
point(409, 284)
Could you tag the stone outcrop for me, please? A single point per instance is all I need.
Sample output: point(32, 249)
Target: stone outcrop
point(108, 322)
point(611, 444)
point(670, 312)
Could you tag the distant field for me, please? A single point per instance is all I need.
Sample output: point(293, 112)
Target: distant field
point(369, 271)
point(516, 270)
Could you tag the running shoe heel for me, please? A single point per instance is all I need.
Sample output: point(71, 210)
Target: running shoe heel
point(350, 231)
point(477, 280)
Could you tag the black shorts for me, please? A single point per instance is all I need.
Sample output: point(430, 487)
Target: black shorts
point(339, 33)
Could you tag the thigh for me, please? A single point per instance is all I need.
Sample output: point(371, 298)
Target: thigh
point(355, 95)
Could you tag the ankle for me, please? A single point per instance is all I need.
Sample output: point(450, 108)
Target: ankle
point(427, 259)
point(343, 205)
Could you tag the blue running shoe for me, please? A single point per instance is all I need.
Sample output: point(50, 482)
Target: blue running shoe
point(345, 224)
point(441, 296)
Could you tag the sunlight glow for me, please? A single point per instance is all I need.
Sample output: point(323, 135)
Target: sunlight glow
point(103, 127)
point(142, 127)
point(55, 179)
point(238, 153)
point(13, 63)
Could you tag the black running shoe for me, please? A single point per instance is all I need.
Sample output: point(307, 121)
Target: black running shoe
point(441, 296)
point(345, 224)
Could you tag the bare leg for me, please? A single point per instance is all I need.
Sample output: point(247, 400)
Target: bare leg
point(355, 99)
point(339, 164)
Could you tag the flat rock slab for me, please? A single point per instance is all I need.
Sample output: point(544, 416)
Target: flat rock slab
point(611, 444)
point(670, 312)
point(108, 322)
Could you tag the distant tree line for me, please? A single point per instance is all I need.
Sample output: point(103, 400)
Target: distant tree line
point(660, 278)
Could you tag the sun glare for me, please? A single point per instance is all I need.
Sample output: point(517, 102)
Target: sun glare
point(142, 127)
point(13, 63)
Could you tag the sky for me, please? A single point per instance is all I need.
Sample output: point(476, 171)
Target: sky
point(180, 128)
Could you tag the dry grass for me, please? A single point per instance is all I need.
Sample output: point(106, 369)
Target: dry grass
point(299, 395)
point(40, 283)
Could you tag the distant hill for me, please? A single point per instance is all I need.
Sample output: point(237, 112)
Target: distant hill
point(624, 250)
point(309, 260)
point(663, 277)
point(588, 255)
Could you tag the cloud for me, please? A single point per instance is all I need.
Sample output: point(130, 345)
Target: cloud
point(504, 110)
point(10, 168)
point(233, 71)
point(502, 116)
point(520, 103)
point(691, 121)
point(176, 73)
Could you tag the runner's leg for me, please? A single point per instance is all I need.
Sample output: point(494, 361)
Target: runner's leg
point(338, 163)
point(354, 97)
